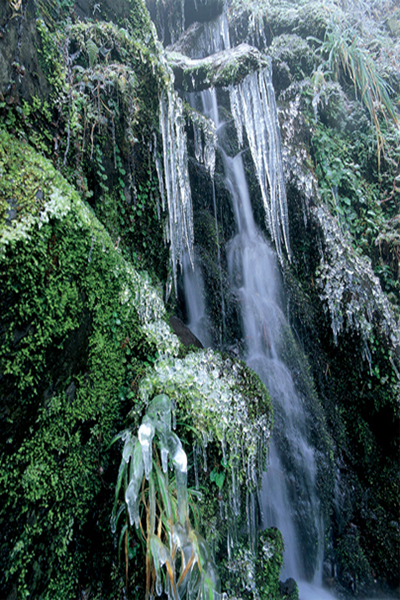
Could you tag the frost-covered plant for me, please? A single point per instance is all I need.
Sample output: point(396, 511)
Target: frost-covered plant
point(346, 56)
point(178, 559)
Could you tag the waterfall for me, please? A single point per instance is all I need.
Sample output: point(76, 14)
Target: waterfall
point(289, 498)
point(289, 494)
point(211, 37)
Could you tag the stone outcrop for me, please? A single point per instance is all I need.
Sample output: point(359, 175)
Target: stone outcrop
point(224, 68)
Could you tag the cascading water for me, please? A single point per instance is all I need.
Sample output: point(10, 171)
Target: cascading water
point(289, 498)
point(289, 491)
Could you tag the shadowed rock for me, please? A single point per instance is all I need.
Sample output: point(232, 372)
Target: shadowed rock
point(184, 334)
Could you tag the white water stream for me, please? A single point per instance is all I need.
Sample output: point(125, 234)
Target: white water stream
point(289, 498)
point(193, 284)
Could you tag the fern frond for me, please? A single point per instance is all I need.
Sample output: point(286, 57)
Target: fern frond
point(92, 51)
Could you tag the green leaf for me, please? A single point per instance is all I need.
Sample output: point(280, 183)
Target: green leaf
point(219, 480)
point(122, 470)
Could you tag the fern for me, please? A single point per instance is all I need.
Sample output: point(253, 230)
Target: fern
point(92, 51)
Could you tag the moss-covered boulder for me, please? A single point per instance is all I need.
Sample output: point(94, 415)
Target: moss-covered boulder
point(77, 326)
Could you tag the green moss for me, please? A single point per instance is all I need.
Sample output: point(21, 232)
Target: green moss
point(103, 122)
point(294, 52)
point(249, 575)
point(269, 564)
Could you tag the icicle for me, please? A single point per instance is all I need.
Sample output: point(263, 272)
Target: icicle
point(180, 226)
point(251, 520)
point(221, 508)
point(223, 446)
point(211, 581)
point(145, 435)
point(157, 161)
point(128, 447)
point(133, 489)
point(159, 412)
point(221, 286)
point(236, 111)
point(235, 489)
point(159, 554)
point(179, 458)
point(253, 108)
point(173, 410)
point(183, 15)
point(203, 127)
point(198, 145)
point(178, 455)
point(159, 585)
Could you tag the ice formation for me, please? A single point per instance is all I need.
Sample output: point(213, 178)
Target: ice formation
point(351, 291)
point(205, 141)
point(220, 413)
point(177, 185)
point(254, 110)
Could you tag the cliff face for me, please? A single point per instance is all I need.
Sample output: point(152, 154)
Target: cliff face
point(86, 197)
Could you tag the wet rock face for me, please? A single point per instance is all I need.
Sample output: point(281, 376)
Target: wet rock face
point(172, 17)
point(21, 72)
point(183, 332)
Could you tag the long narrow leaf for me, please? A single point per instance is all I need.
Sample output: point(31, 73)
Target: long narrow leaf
point(116, 438)
point(186, 569)
point(163, 487)
point(120, 539)
point(122, 471)
point(121, 510)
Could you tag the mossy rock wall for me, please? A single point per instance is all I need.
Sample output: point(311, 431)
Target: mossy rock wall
point(81, 83)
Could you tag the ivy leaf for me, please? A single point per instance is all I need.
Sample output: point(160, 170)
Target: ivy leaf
point(219, 480)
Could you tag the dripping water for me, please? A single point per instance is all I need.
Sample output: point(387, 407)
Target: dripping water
point(209, 105)
point(193, 284)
